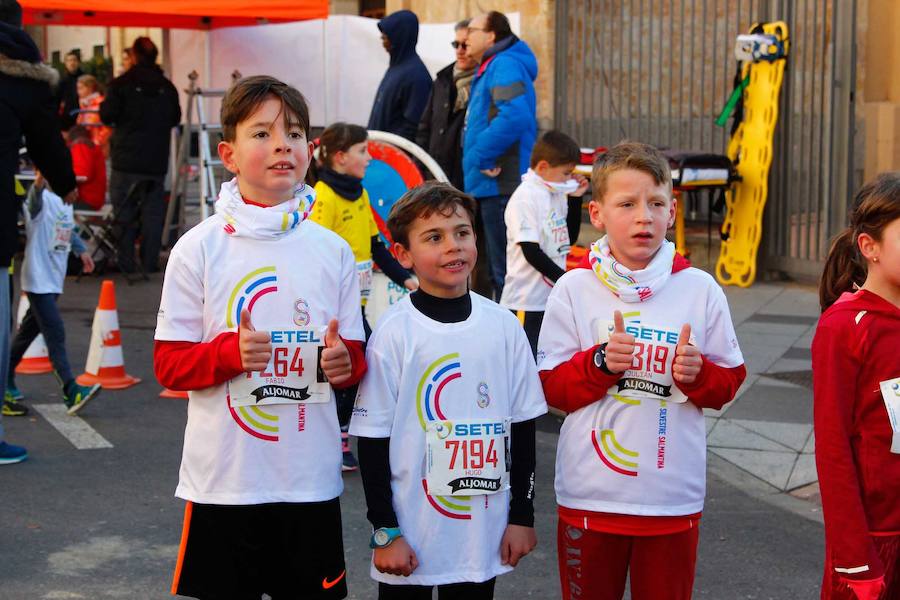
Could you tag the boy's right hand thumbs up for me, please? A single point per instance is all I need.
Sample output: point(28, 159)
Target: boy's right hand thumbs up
point(256, 349)
point(620, 348)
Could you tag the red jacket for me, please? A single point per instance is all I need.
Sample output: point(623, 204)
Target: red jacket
point(88, 161)
point(857, 346)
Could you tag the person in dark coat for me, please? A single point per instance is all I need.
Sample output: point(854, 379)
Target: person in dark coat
point(143, 107)
point(67, 92)
point(440, 130)
point(27, 107)
point(404, 90)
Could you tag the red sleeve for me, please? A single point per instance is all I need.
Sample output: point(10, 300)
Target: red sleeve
point(184, 366)
point(835, 369)
point(576, 383)
point(715, 386)
point(82, 162)
point(357, 362)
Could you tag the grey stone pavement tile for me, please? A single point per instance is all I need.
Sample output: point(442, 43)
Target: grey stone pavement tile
point(766, 430)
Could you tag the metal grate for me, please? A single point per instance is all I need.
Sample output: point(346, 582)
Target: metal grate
point(659, 71)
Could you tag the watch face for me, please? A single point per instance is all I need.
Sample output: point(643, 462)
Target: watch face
point(599, 356)
point(381, 537)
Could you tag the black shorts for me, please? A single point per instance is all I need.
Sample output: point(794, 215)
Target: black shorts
point(286, 550)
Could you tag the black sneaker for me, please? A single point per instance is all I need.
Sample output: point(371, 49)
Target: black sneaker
point(349, 462)
point(12, 407)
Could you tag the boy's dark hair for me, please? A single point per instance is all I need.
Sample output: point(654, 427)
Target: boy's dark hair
point(144, 51)
point(630, 155)
point(464, 24)
point(499, 25)
point(421, 202)
point(247, 94)
point(557, 149)
point(339, 138)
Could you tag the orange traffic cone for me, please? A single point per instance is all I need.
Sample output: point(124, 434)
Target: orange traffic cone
point(167, 393)
point(36, 359)
point(105, 363)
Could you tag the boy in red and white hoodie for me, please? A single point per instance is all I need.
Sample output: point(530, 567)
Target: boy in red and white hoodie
point(633, 347)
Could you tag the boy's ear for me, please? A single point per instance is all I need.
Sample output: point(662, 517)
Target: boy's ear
point(594, 208)
point(541, 166)
point(403, 256)
point(226, 153)
point(672, 208)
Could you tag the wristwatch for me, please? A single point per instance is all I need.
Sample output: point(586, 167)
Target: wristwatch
point(600, 359)
point(383, 536)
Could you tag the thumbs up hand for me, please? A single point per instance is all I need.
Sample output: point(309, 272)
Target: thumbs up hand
point(255, 347)
point(620, 348)
point(687, 358)
point(335, 361)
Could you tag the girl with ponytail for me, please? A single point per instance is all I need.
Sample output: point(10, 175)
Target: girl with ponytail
point(856, 387)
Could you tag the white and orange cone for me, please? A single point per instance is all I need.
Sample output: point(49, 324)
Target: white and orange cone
point(36, 359)
point(105, 362)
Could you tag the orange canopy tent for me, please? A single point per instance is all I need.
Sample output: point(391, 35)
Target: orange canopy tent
point(181, 14)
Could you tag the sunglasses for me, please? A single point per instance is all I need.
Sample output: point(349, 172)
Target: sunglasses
point(457, 45)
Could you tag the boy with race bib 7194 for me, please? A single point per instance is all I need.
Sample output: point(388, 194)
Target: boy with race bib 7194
point(259, 319)
point(633, 347)
point(445, 418)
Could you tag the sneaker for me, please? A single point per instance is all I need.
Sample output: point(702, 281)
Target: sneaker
point(10, 454)
point(349, 462)
point(12, 407)
point(76, 396)
point(13, 392)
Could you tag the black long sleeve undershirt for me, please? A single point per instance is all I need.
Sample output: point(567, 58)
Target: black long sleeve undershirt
point(538, 259)
point(387, 263)
point(573, 218)
point(374, 453)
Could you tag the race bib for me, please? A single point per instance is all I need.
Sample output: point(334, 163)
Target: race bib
point(557, 232)
point(650, 375)
point(364, 271)
point(292, 376)
point(890, 392)
point(62, 235)
point(467, 457)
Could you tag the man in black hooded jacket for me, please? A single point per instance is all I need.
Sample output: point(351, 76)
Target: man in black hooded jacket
point(143, 107)
point(404, 90)
point(27, 108)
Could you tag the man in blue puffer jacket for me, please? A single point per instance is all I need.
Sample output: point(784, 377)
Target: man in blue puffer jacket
point(501, 127)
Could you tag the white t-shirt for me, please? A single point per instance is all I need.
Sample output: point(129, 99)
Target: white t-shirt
point(50, 234)
point(536, 214)
point(271, 453)
point(631, 453)
point(422, 371)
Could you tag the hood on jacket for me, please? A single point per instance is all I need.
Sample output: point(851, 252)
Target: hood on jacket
point(515, 49)
point(19, 57)
point(402, 29)
point(863, 301)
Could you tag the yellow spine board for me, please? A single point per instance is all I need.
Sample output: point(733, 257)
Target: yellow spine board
point(751, 149)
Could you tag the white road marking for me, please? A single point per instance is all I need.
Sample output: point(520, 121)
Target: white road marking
point(74, 429)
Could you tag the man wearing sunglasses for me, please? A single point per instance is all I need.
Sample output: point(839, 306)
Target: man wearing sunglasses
point(501, 127)
point(440, 129)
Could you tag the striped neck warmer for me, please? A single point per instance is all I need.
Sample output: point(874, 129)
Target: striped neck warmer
point(632, 286)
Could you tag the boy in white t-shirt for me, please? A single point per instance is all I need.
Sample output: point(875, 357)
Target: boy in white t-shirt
point(259, 313)
point(52, 235)
point(634, 346)
point(542, 220)
point(445, 417)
